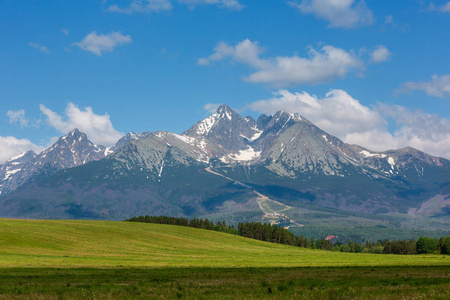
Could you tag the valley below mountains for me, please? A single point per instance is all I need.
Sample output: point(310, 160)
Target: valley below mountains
point(280, 169)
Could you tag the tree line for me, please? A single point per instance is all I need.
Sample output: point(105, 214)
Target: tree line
point(276, 234)
point(194, 222)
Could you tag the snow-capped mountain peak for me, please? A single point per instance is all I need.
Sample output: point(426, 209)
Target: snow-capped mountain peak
point(226, 129)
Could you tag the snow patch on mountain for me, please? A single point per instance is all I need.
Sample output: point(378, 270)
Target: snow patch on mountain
point(247, 154)
point(391, 161)
point(296, 116)
point(17, 157)
point(256, 135)
point(368, 154)
point(108, 151)
point(9, 173)
point(161, 169)
point(160, 134)
point(187, 139)
point(228, 115)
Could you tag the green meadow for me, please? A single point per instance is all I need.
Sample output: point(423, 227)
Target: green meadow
point(99, 259)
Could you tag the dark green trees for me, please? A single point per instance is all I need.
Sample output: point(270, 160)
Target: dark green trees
point(400, 247)
point(444, 245)
point(426, 245)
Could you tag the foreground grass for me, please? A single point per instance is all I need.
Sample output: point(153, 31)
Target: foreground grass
point(42, 259)
point(228, 283)
point(44, 243)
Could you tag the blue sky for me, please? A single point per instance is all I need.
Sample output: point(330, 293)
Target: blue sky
point(374, 73)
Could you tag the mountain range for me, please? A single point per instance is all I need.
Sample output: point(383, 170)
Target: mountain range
point(279, 168)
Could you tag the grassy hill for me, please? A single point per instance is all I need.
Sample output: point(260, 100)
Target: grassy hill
point(61, 243)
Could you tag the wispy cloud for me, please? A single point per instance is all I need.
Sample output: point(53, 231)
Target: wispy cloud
point(98, 127)
point(164, 52)
point(98, 44)
point(142, 6)
point(340, 114)
point(148, 6)
point(440, 8)
point(380, 54)
point(65, 31)
point(211, 107)
point(439, 86)
point(389, 19)
point(17, 116)
point(341, 13)
point(323, 65)
point(39, 47)
point(228, 4)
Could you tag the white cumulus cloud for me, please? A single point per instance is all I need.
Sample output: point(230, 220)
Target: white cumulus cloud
point(98, 44)
point(339, 13)
point(98, 128)
point(340, 114)
point(439, 86)
point(336, 113)
point(17, 116)
point(323, 65)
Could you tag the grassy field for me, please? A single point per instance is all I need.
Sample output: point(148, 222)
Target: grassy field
point(226, 283)
point(97, 259)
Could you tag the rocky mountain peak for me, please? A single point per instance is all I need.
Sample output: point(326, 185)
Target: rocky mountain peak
point(262, 121)
point(223, 109)
point(223, 116)
point(283, 115)
point(72, 150)
point(75, 135)
point(225, 128)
